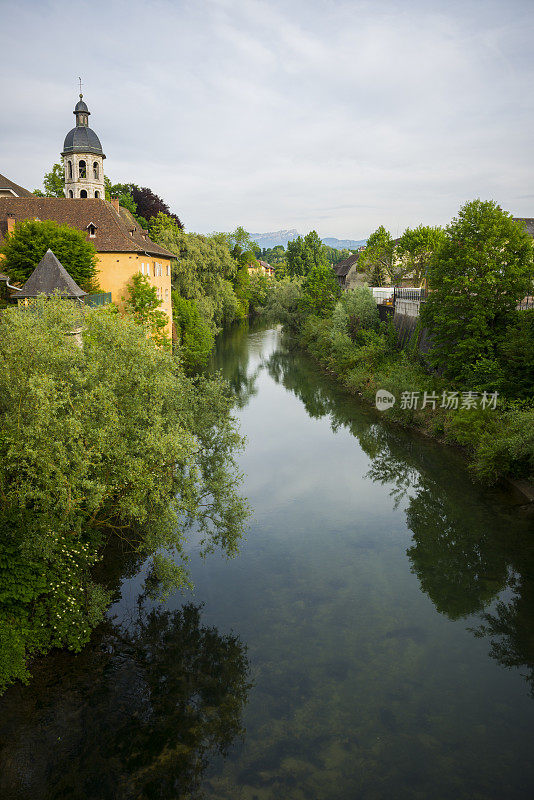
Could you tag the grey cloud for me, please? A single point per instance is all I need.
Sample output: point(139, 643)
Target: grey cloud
point(340, 116)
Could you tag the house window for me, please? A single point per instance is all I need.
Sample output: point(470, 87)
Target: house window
point(166, 294)
point(70, 169)
point(168, 270)
point(92, 231)
point(95, 170)
point(97, 194)
point(83, 193)
point(82, 167)
point(71, 193)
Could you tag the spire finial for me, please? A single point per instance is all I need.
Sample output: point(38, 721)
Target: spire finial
point(81, 95)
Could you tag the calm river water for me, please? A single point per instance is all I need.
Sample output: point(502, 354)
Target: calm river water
point(374, 638)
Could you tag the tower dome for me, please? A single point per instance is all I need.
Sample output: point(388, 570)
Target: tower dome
point(83, 158)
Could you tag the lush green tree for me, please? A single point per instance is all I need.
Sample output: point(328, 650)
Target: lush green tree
point(296, 257)
point(416, 247)
point(273, 255)
point(242, 247)
point(258, 290)
point(25, 246)
point(282, 302)
point(53, 183)
point(195, 335)
point(142, 303)
point(355, 310)
point(477, 278)
point(109, 440)
point(305, 253)
point(281, 271)
point(202, 260)
point(320, 291)
point(377, 260)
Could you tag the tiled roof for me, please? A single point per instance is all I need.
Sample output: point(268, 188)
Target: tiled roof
point(50, 276)
point(115, 232)
point(5, 183)
point(529, 224)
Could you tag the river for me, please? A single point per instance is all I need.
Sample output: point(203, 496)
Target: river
point(373, 639)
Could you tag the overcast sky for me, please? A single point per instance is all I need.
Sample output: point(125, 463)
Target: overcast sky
point(325, 114)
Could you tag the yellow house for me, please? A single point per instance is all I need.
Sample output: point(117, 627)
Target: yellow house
point(123, 248)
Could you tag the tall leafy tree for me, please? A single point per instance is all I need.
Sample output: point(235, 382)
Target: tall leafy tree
point(416, 247)
point(143, 304)
point(305, 253)
point(53, 183)
point(297, 262)
point(378, 257)
point(478, 276)
point(25, 246)
point(320, 291)
point(111, 440)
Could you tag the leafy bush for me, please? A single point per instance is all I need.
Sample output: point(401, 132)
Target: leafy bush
point(356, 309)
point(195, 336)
point(25, 246)
point(111, 439)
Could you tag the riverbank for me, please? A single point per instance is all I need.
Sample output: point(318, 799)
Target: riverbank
point(372, 638)
point(496, 435)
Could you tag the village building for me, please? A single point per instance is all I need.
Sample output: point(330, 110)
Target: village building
point(123, 247)
point(10, 189)
point(263, 267)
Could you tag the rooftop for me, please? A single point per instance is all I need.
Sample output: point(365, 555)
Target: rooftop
point(50, 277)
point(14, 188)
point(114, 232)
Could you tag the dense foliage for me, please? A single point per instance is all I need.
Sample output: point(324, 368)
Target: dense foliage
point(143, 305)
point(25, 246)
point(480, 273)
point(416, 248)
point(194, 335)
point(109, 440)
point(53, 183)
point(479, 268)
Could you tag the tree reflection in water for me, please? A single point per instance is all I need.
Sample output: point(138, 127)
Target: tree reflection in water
point(139, 717)
point(231, 357)
point(464, 554)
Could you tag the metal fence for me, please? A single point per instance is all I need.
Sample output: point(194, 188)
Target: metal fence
point(409, 293)
point(100, 299)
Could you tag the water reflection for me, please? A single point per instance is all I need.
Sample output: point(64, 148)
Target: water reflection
point(232, 358)
point(463, 557)
point(141, 715)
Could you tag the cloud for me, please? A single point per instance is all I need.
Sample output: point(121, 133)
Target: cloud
point(324, 114)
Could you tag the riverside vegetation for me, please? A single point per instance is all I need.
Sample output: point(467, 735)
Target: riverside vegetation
point(479, 268)
point(120, 439)
point(112, 441)
point(124, 440)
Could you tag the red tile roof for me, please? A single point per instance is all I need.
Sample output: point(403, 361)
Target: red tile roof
point(115, 232)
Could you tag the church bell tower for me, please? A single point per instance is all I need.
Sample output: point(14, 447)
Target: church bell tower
point(83, 159)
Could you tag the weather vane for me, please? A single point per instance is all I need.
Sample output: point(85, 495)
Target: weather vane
point(80, 86)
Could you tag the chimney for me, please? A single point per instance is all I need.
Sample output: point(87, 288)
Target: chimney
point(10, 222)
point(115, 203)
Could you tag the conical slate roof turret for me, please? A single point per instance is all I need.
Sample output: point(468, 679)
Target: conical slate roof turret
point(50, 277)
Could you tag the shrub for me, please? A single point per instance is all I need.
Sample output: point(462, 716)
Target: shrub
point(356, 309)
point(195, 336)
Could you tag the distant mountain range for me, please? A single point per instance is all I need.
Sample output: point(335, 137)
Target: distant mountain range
point(274, 238)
